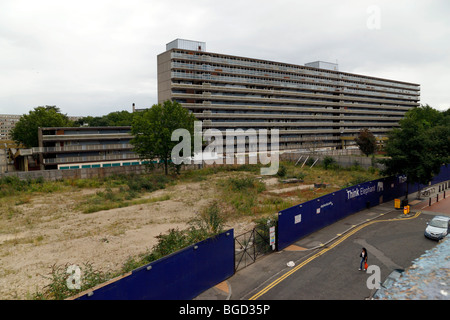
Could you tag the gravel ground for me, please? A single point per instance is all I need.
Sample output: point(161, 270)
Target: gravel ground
point(428, 278)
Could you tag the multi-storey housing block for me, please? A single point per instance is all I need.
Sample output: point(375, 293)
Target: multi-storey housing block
point(7, 123)
point(85, 147)
point(313, 105)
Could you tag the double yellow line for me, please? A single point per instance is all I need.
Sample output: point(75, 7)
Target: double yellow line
point(318, 254)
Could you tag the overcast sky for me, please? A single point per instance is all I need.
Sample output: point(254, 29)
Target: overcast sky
point(98, 56)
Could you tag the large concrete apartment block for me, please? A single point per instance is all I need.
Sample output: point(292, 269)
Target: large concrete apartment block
point(313, 105)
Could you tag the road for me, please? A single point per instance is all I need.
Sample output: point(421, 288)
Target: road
point(328, 270)
point(332, 272)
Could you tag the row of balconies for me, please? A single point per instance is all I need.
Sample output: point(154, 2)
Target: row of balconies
point(99, 136)
point(295, 100)
point(399, 111)
point(287, 117)
point(295, 77)
point(282, 92)
point(124, 156)
point(71, 148)
point(341, 130)
point(260, 81)
point(251, 81)
point(277, 124)
point(267, 65)
point(332, 93)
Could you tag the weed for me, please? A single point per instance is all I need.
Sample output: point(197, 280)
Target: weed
point(282, 171)
point(329, 163)
point(211, 219)
point(58, 289)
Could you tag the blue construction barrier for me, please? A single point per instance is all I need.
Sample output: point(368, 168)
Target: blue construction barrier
point(305, 218)
point(182, 275)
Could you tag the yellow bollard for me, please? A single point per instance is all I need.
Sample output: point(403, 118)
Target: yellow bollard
point(406, 210)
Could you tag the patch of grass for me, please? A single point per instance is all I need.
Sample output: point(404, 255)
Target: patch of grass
point(272, 204)
point(241, 194)
point(130, 187)
point(204, 173)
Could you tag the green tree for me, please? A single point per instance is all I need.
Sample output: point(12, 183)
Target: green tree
point(419, 147)
point(117, 118)
point(366, 142)
point(25, 131)
point(152, 130)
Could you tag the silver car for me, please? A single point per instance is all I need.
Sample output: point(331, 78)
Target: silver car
point(438, 228)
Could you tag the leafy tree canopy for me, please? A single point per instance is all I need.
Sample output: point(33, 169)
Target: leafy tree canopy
point(366, 142)
point(420, 146)
point(153, 128)
point(25, 131)
point(117, 118)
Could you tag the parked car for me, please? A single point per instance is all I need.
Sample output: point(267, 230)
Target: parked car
point(437, 228)
point(391, 278)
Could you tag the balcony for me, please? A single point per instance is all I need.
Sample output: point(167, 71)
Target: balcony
point(95, 147)
point(109, 157)
point(294, 98)
point(76, 137)
point(268, 66)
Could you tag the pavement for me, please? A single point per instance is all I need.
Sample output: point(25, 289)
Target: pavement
point(246, 282)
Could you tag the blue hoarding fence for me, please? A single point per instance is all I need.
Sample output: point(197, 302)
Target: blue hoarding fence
point(182, 275)
point(305, 218)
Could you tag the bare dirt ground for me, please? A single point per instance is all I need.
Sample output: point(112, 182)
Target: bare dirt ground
point(47, 230)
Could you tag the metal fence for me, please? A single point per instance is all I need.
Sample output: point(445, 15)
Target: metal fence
point(249, 246)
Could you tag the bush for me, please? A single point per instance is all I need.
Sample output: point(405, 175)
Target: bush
point(211, 220)
point(328, 162)
point(282, 171)
point(245, 184)
point(58, 288)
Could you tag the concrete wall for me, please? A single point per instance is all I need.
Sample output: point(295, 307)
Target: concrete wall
point(164, 76)
point(3, 166)
point(54, 175)
point(341, 159)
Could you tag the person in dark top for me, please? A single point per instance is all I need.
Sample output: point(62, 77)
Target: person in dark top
point(363, 256)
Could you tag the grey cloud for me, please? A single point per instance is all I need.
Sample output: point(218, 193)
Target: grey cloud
point(92, 58)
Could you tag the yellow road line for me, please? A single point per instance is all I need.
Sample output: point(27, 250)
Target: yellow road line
point(318, 254)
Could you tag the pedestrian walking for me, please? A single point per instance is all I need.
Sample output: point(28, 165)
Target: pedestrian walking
point(363, 255)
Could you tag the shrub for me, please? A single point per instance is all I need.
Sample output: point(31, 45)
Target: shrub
point(58, 289)
point(328, 162)
point(211, 219)
point(282, 171)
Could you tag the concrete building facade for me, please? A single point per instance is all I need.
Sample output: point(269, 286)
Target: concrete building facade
point(314, 106)
point(85, 147)
point(7, 123)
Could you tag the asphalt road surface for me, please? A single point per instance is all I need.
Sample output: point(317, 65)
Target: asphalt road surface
point(326, 262)
point(332, 271)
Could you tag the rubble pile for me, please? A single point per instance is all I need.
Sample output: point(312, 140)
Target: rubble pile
point(428, 278)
